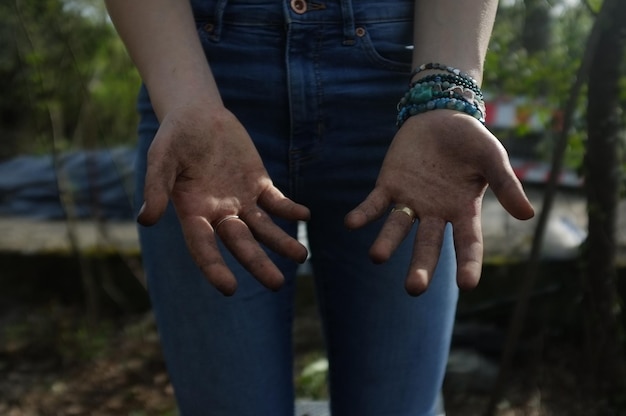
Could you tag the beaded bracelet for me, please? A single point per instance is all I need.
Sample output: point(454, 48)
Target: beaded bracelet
point(425, 91)
point(422, 92)
point(442, 67)
point(454, 90)
point(423, 98)
point(448, 80)
point(439, 103)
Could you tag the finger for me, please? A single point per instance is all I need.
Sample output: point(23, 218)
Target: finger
point(160, 178)
point(428, 242)
point(200, 239)
point(394, 231)
point(468, 243)
point(508, 189)
point(274, 202)
point(274, 237)
point(237, 237)
point(373, 207)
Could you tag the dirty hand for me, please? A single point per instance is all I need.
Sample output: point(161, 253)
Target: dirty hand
point(439, 166)
point(205, 162)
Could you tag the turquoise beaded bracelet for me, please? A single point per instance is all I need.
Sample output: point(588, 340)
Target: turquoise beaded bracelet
point(448, 79)
point(437, 104)
point(454, 90)
point(425, 91)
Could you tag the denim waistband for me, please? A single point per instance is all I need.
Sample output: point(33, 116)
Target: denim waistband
point(348, 13)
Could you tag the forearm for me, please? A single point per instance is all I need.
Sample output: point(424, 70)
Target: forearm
point(455, 33)
point(161, 38)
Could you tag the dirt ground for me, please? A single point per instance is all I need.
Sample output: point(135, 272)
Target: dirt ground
point(54, 362)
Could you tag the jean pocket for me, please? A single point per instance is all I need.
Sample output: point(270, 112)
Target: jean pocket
point(388, 45)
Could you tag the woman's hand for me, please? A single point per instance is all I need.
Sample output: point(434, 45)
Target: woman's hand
point(439, 165)
point(203, 159)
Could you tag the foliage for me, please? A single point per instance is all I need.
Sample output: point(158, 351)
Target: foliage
point(64, 76)
point(312, 381)
point(544, 76)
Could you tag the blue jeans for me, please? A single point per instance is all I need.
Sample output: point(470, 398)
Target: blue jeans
point(317, 92)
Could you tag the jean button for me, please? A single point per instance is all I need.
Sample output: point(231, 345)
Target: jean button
point(298, 6)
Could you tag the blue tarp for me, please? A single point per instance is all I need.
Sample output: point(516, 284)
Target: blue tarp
point(97, 183)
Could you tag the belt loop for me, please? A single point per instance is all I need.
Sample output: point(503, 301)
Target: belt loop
point(220, 5)
point(348, 22)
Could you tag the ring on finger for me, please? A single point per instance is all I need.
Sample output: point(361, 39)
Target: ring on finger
point(224, 219)
point(406, 210)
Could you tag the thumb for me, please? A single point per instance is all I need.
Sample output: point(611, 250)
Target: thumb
point(508, 189)
point(160, 178)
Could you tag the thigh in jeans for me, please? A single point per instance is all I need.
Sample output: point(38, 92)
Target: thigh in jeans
point(225, 355)
point(387, 350)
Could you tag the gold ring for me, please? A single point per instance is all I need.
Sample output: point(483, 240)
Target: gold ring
point(224, 219)
point(406, 210)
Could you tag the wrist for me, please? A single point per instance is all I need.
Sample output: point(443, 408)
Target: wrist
point(166, 99)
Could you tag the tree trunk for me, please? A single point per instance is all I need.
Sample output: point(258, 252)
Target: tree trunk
point(604, 344)
point(536, 34)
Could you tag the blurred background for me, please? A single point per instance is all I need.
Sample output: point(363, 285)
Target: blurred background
point(542, 335)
